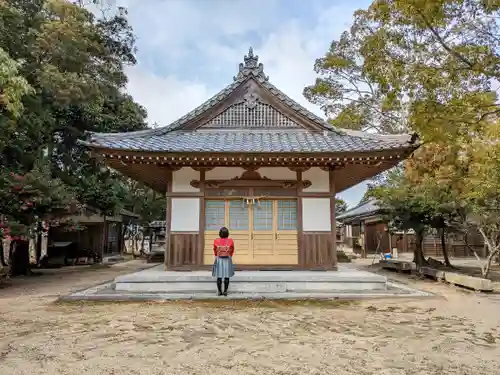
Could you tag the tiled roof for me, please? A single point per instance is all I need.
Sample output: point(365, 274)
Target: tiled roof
point(260, 138)
point(250, 141)
point(363, 210)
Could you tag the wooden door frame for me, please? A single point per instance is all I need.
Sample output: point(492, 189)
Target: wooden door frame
point(274, 200)
point(252, 180)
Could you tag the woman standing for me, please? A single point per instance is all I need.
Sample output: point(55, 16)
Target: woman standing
point(223, 265)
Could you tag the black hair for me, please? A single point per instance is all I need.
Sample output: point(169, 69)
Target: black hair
point(224, 232)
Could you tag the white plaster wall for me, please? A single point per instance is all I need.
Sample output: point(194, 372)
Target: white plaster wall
point(185, 215)
point(316, 216)
point(224, 173)
point(320, 180)
point(277, 173)
point(182, 179)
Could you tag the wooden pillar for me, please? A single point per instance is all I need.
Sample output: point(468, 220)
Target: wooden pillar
point(168, 217)
point(333, 226)
point(104, 237)
point(365, 237)
point(201, 228)
point(300, 237)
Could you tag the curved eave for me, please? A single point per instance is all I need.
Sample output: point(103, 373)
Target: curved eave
point(343, 157)
point(273, 142)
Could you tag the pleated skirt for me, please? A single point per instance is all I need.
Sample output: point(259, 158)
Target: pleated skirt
point(223, 268)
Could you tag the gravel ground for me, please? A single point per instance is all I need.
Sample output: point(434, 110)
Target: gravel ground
point(458, 333)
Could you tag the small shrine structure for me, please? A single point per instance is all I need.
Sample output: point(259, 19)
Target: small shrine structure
point(252, 159)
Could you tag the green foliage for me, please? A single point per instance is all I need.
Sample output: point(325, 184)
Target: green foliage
point(13, 87)
point(62, 76)
point(421, 65)
point(347, 94)
point(433, 65)
point(103, 190)
point(440, 56)
point(33, 197)
point(145, 202)
point(402, 203)
point(340, 206)
point(408, 206)
point(481, 191)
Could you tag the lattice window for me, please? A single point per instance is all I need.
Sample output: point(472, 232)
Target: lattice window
point(238, 215)
point(287, 215)
point(214, 214)
point(261, 116)
point(263, 216)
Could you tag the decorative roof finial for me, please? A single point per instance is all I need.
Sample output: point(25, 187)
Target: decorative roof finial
point(251, 66)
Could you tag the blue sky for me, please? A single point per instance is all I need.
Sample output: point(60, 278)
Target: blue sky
point(188, 50)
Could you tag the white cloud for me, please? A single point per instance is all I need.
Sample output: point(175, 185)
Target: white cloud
point(165, 98)
point(212, 37)
point(178, 29)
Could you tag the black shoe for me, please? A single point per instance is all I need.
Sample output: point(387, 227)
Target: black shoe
point(220, 293)
point(224, 294)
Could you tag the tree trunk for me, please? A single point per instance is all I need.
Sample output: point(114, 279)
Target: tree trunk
point(104, 239)
point(442, 234)
point(4, 255)
point(493, 251)
point(418, 254)
point(135, 243)
point(141, 251)
point(487, 266)
point(20, 259)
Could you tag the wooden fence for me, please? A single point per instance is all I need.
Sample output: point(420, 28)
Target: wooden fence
point(405, 242)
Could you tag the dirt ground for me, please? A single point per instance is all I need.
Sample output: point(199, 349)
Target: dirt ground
point(458, 333)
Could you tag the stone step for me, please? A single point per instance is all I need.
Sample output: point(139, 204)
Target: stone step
point(127, 296)
point(247, 287)
point(157, 280)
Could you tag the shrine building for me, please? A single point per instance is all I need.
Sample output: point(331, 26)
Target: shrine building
point(254, 160)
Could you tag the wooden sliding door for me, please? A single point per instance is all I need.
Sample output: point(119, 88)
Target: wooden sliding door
point(265, 233)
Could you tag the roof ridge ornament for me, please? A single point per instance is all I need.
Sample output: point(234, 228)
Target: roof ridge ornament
point(251, 67)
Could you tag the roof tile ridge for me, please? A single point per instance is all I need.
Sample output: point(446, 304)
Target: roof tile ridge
point(299, 107)
point(407, 137)
point(359, 205)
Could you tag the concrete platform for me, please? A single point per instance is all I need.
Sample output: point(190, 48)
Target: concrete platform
point(156, 284)
point(157, 280)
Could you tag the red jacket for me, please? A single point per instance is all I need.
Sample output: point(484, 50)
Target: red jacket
point(222, 243)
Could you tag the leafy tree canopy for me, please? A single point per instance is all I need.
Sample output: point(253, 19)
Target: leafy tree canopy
point(431, 67)
point(340, 206)
point(62, 76)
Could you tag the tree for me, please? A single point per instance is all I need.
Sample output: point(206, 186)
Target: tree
point(13, 87)
point(340, 206)
point(34, 197)
point(148, 205)
point(482, 193)
point(403, 207)
point(438, 60)
point(441, 56)
point(378, 181)
point(74, 64)
point(348, 96)
point(62, 77)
